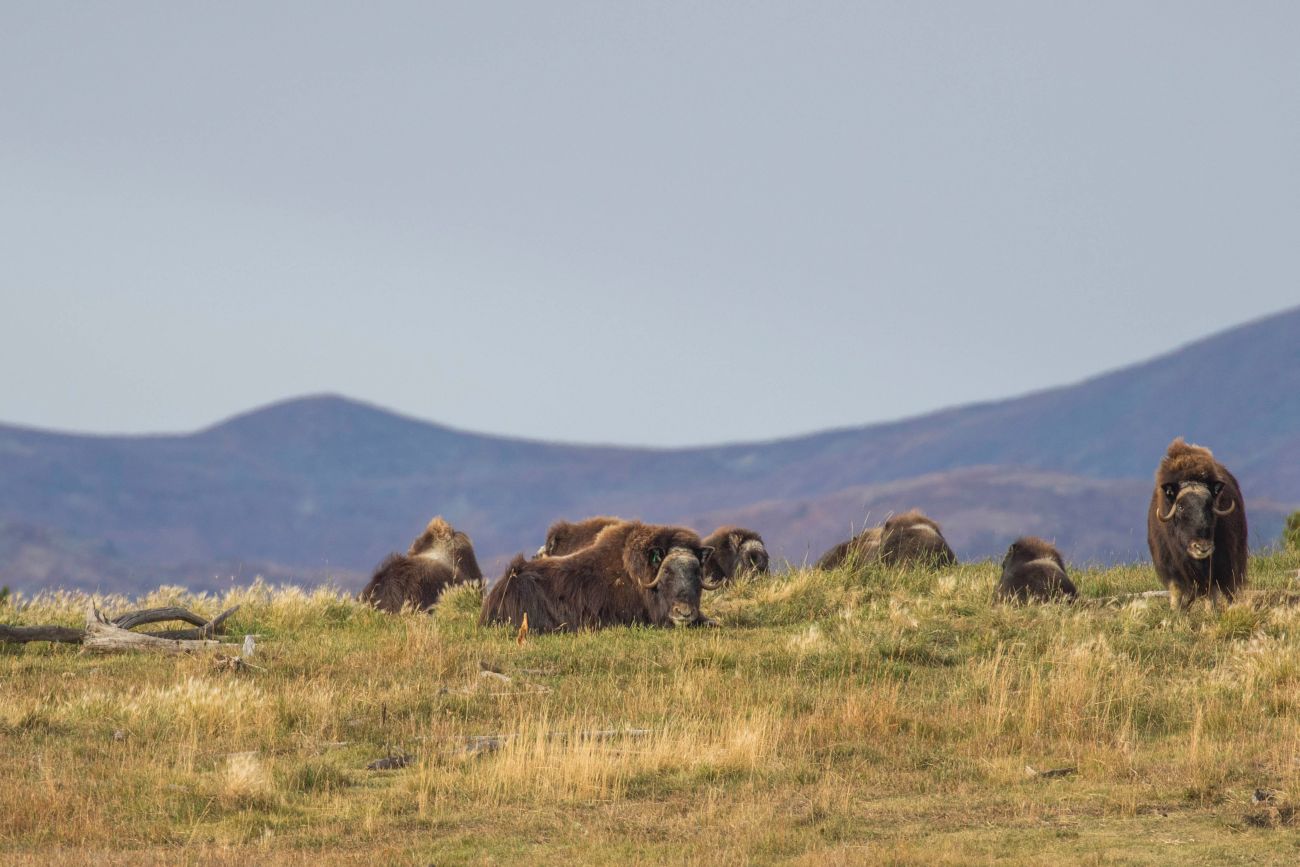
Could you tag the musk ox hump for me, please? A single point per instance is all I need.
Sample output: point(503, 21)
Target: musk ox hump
point(436, 535)
point(401, 580)
point(1033, 570)
point(565, 537)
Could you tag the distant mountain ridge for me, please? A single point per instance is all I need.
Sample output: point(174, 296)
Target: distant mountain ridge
point(325, 486)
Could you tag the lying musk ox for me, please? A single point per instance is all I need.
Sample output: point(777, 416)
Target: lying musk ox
point(1033, 571)
point(904, 540)
point(632, 573)
point(1196, 527)
point(564, 537)
point(735, 551)
point(913, 538)
point(439, 557)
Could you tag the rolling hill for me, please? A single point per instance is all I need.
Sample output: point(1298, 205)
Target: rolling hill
point(323, 487)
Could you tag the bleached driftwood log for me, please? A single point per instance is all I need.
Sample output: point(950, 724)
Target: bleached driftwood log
point(105, 636)
point(202, 628)
point(23, 634)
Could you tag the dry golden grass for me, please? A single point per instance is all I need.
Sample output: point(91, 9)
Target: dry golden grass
point(885, 717)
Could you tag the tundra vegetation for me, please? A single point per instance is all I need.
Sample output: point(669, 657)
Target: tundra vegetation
point(1291, 533)
point(844, 716)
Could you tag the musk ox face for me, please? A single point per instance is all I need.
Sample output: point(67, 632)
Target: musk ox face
point(753, 557)
point(1190, 510)
point(670, 570)
point(736, 551)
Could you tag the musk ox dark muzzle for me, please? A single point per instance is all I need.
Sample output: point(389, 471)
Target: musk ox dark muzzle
point(680, 581)
point(753, 557)
point(1190, 510)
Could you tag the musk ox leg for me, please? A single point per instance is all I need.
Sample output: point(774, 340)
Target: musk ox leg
point(1218, 600)
point(1177, 599)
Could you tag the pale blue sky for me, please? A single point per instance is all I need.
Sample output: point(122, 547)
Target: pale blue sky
point(638, 223)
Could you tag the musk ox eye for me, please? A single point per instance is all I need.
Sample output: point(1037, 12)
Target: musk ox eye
point(705, 553)
point(1216, 489)
point(656, 557)
point(1171, 491)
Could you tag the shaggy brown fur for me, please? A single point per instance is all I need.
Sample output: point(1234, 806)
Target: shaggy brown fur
point(564, 537)
point(1033, 571)
point(907, 539)
point(735, 551)
point(1196, 526)
point(605, 583)
point(912, 538)
point(439, 557)
point(402, 580)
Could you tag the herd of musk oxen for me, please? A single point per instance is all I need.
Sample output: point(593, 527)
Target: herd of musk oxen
point(606, 571)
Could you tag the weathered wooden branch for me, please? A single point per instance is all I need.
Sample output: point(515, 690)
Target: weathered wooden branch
point(202, 628)
point(104, 636)
point(132, 619)
point(205, 629)
point(23, 634)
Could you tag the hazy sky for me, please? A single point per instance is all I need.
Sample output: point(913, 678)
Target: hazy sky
point(655, 223)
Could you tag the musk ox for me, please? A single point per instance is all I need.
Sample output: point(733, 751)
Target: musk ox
point(631, 573)
point(565, 537)
point(913, 538)
point(439, 557)
point(1196, 527)
point(908, 539)
point(735, 551)
point(1033, 571)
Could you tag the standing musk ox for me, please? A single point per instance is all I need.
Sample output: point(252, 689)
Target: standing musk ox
point(735, 551)
point(564, 537)
point(1033, 571)
point(632, 573)
point(1196, 527)
point(908, 539)
point(439, 557)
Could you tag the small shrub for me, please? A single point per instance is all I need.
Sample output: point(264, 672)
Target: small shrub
point(1291, 533)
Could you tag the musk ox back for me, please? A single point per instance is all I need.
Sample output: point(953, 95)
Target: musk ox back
point(1196, 526)
point(631, 573)
point(908, 539)
point(912, 538)
point(438, 558)
point(735, 551)
point(565, 537)
point(1033, 571)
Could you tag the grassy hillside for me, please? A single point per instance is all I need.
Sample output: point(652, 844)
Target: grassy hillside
point(831, 719)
